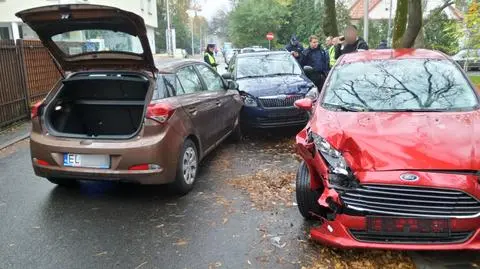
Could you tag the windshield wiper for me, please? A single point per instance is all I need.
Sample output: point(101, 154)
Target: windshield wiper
point(347, 108)
point(280, 74)
point(255, 76)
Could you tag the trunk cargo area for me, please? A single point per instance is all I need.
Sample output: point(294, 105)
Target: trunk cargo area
point(98, 106)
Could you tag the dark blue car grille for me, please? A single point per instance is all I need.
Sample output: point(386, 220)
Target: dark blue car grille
point(286, 101)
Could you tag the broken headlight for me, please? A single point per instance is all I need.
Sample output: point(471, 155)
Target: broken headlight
point(333, 157)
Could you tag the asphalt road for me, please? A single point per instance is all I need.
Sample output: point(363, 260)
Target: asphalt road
point(104, 225)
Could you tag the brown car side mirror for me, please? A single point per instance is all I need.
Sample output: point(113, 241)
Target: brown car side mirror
point(304, 104)
point(232, 85)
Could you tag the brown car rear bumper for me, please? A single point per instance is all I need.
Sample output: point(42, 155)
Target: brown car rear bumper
point(142, 177)
point(161, 150)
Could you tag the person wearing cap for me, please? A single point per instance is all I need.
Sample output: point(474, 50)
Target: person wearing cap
point(209, 57)
point(295, 48)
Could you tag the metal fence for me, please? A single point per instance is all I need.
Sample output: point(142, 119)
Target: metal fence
point(27, 74)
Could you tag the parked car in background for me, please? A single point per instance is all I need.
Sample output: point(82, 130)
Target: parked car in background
point(115, 117)
point(253, 49)
point(391, 154)
point(469, 56)
point(270, 83)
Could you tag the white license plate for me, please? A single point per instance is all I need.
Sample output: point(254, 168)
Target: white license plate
point(86, 160)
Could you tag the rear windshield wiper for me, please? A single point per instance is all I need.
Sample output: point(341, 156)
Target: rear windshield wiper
point(280, 74)
point(345, 108)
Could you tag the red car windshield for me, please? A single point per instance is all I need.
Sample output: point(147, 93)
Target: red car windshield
point(399, 85)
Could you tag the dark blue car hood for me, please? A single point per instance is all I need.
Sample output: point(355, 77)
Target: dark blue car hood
point(276, 85)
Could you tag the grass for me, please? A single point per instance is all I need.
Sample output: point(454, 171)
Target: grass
point(475, 80)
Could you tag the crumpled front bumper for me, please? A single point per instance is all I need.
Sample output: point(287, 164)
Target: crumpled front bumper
point(338, 229)
point(336, 234)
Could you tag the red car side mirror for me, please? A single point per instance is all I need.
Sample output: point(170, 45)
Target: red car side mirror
point(304, 104)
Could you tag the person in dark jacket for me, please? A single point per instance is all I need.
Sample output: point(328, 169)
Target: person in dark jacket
point(209, 58)
point(316, 57)
point(382, 45)
point(294, 47)
point(351, 42)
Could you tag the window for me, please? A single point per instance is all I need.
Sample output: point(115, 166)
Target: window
point(4, 33)
point(189, 80)
point(399, 85)
point(212, 79)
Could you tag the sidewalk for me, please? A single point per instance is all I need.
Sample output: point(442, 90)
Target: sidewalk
point(14, 134)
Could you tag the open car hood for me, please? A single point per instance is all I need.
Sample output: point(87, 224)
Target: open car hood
point(49, 21)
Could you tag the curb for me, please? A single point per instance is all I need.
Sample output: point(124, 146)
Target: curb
point(14, 141)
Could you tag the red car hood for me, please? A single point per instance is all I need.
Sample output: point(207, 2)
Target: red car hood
point(380, 141)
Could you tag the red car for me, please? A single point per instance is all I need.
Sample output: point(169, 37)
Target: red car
point(392, 154)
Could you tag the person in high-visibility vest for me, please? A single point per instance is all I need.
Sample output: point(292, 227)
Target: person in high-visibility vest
point(209, 57)
point(331, 42)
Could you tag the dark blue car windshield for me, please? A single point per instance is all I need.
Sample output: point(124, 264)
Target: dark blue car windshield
point(266, 65)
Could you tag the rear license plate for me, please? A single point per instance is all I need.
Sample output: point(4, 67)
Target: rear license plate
point(408, 225)
point(86, 160)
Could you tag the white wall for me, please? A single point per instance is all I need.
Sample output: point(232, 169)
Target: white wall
point(147, 9)
point(8, 8)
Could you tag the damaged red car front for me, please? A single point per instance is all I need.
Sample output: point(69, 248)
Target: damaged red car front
point(391, 154)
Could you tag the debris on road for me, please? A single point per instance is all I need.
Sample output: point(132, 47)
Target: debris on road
point(267, 188)
point(276, 242)
point(181, 242)
point(326, 257)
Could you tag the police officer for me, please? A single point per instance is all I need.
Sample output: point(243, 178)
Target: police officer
point(316, 57)
point(209, 57)
point(294, 47)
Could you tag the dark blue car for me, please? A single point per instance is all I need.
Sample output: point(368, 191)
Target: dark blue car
point(270, 83)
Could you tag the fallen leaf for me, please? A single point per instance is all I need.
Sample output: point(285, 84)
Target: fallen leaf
point(101, 253)
point(180, 242)
point(225, 220)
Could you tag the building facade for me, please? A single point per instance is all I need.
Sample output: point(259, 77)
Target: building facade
point(12, 27)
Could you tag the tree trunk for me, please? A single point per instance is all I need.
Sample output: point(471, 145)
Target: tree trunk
point(400, 22)
point(414, 23)
point(330, 22)
point(420, 40)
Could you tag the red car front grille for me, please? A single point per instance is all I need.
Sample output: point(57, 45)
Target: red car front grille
point(410, 201)
point(409, 238)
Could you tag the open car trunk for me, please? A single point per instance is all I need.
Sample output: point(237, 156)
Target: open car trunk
point(98, 106)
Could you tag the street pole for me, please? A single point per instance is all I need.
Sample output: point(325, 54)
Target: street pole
point(169, 31)
point(365, 20)
point(389, 35)
point(200, 40)
point(269, 45)
point(193, 48)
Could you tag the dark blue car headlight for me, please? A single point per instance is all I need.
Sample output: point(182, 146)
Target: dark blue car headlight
point(249, 100)
point(312, 94)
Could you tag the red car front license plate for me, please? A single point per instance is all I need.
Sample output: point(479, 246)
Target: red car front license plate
point(376, 224)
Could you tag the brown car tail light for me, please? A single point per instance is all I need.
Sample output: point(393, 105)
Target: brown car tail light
point(160, 112)
point(36, 109)
point(143, 167)
point(41, 162)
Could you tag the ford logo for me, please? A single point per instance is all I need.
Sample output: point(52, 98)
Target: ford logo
point(409, 177)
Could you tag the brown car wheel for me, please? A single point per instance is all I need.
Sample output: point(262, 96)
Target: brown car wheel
point(187, 168)
point(64, 182)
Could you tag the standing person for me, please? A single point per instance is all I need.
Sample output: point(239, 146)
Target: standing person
point(316, 57)
point(209, 58)
point(351, 42)
point(383, 45)
point(294, 47)
point(331, 42)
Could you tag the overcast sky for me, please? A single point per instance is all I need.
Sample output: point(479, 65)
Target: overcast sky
point(210, 7)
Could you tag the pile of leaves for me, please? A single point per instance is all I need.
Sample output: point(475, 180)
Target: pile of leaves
point(283, 146)
point(327, 258)
point(268, 188)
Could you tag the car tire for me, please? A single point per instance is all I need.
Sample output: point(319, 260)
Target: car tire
point(187, 168)
point(63, 182)
point(307, 199)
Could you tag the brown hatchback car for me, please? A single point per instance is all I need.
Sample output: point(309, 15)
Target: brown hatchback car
point(116, 117)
